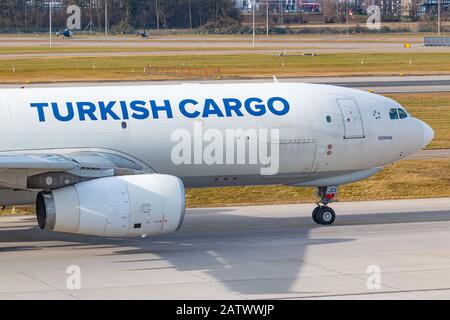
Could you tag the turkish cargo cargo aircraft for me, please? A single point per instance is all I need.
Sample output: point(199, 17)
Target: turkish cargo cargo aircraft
point(114, 161)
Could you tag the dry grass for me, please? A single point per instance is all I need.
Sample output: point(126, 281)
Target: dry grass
point(17, 211)
point(232, 66)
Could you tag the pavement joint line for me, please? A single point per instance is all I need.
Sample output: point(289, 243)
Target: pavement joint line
point(364, 279)
point(437, 254)
point(46, 284)
point(203, 281)
point(411, 291)
point(213, 285)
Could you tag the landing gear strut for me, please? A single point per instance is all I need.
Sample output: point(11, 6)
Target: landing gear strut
point(323, 214)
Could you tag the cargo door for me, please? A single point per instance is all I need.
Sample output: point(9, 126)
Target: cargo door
point(353, 124)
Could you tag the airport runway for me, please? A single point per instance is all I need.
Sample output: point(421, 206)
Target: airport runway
point(378, 84)
point(259, 252)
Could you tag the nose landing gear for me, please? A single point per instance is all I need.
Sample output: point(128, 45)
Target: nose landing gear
point(323, 214)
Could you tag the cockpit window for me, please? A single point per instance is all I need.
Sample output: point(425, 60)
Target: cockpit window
point(393, 114)
point(402, 113)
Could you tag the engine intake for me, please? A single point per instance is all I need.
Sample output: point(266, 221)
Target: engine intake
point(122, 206)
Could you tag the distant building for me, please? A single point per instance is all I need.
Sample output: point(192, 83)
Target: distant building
point(286, 6)
point(45, 4)
point(390, 8)
point(239, 3)
point(429, 7)
point(247, 5)
point(406, 8)
point(393, 9)
point(309, 6)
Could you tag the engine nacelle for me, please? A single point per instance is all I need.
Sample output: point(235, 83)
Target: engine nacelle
point(121, 206)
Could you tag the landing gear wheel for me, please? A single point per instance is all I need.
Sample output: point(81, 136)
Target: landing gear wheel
point(325, 215)
point(314, 214)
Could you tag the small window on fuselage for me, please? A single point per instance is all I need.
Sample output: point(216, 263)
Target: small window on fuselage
point(329, 119)
point(402, 113)
point(393, 114)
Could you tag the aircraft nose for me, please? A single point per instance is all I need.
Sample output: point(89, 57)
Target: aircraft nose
point(427, 134)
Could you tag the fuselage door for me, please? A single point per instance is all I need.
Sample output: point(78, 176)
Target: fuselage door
point(351, 116)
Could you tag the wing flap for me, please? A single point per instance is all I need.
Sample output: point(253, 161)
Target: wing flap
point(37, 161)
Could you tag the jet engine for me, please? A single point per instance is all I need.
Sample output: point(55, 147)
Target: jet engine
point(119, 206)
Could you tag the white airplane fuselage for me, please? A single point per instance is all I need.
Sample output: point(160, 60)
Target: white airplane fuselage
point(325, 135)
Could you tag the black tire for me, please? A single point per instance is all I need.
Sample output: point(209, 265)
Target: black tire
point(326, 216)
point(314, 215)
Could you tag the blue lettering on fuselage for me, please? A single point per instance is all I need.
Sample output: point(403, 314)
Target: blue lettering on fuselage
point(162, 109)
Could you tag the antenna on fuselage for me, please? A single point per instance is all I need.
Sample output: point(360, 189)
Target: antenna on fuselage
point(275, 79)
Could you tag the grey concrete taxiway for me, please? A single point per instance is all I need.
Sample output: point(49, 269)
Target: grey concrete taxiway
point(258, 252)
point(430, 154)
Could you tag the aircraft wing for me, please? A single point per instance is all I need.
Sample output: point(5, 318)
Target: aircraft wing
point(46, 170)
